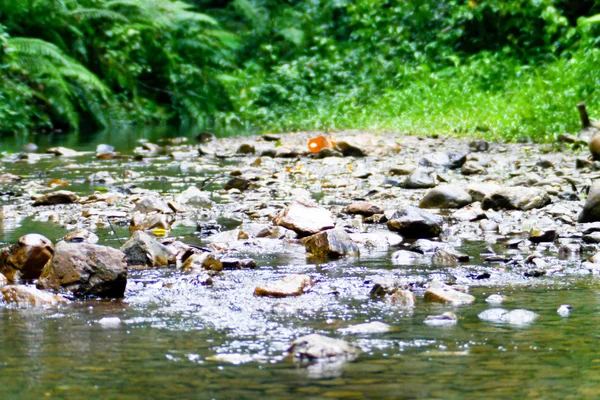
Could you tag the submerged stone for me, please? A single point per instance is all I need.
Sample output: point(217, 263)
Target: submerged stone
point(315, 346)
point(445, 319)
point(502, 316)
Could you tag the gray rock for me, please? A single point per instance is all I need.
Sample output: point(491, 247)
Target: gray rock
point(349, 149)
point(445, 319)
point(152, 204)
point(314, 347)
point(515, 317)
point(304, 218)
point(480, 190)
point(591, 208)
point(472, 168)
point(448, 256)
point(194, 197)
point(26, 296)
point(81, 236)
point(436, 160)
point(366, 329)
point(537, 235)
point(446, 196)
point(58, 197)
point(142, 249)
point(413, 222)
point(479, 145)
point(238, 183)
point(333, 243)
point(425, 246)
point(495, 299)
point(103, 177)
point(85, 270)
point(516, 198)
point(406, 257)
point(402, 298)
point(25, 259)
point(420, 178)
point(564, 310)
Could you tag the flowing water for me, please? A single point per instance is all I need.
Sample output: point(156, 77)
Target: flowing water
point(173, 338)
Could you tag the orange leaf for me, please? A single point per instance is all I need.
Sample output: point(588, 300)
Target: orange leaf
point(319, 143)
point(57, 182)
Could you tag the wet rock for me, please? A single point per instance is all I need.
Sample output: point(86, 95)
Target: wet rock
point(58, 197)
point(425, 246)
point(85, 270)
point(314, 347)
point(412, 222)
point(441, 293)
point(445, 319)
point(472, 168)
point(202, 261)
point(81, 236)
point(376, 241)
point(150, 204)
point(365, 208)
point(366, 329)
point(502, 316)
point(591, 208)
point(516, 198)
point(3, 281)
point(564, 310)
point(146, 222)
point(291, 285)
point(246, 148)
point(304, 218)
point(25, 259)
point(142, 249)
point(238, 183)
point(537, 235)
point(194, 197)
point(448, 256)
point(332, 243)
point(349, 149)
point(446, 196)
point(237, 263)
point(27, 296)
point(406, 257)
point(480, 190)
point(403, 298)
point(103, 177)
point(64, 152)
point(479, 145)
point(495, 299)
point(420, 178)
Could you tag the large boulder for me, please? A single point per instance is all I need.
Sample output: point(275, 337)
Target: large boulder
point(142, 249)
point(516, 198)
point(446, 196)
point(333, 243)
point(412, 222)
point(27, 296)
point(304, 218)
point(85, 270)
point(314, 347)
point(591, 208)
point(25, 259)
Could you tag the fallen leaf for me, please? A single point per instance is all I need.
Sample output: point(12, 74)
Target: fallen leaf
point(57, 182)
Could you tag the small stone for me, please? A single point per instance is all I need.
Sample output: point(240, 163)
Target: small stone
point(420, 178)
point(436, 160)
point(366, 329)
point(591, 208)
point(479, 145)
point(516, 198)
point(142, 249)
point(291, 285)
point(402, 170)
point(516, 317)
point(152, 204)
point(365, 208)
point(314, 347)
point(240, 184)
point(472, 168)
point(332, 243)
point(246, 148)
point(537, 235)
point(202, 261)
point(349, 149)
point(103, 177)
point(58, 197)
point(448, 256)
point(480, 190)
point(445, 319)
point(237, 263)
point(495, 299)
point(81, 236)
point(403, 298)
point(406, 257)
point(564, 310)
point(110, 322)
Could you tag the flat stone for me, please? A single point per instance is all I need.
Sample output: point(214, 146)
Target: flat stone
point(58, 197)
point(27, 296)
point(332, 243)
point(365, 208)
point(304, 218)
point(366, 328)
point(291, 285)
point(150, 204)
point(420, 178)
point(315, 346)
point(445, 319)
point(81, 236)
point(445, 294)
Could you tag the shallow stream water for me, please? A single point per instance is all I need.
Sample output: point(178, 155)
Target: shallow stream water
point(172, 338)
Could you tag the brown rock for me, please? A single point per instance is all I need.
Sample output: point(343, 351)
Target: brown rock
point(26, 258)
point(291, 285)
point(441, 293)
point(58, 197)
point(202, 261)
point(403, 298)
point(27, 296)
point(304, 218)
point(333, 243)
point(365, 208)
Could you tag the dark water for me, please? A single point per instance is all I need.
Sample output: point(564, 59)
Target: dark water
point(169, 337)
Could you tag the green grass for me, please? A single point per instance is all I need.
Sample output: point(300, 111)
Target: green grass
point(488, 97)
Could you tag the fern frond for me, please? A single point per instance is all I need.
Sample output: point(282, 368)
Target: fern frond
point(95, 13)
